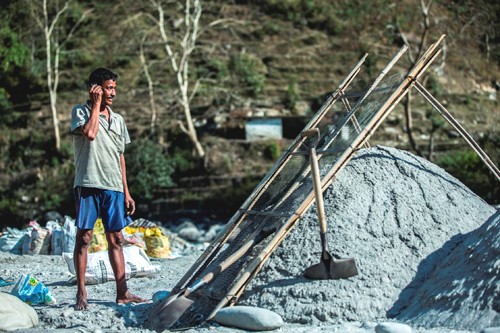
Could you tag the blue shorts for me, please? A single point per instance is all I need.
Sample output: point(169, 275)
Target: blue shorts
point(92, 203)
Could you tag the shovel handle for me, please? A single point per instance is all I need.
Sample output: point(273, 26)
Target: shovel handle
point(311, 132)
point(318, 191)
point(226, 263)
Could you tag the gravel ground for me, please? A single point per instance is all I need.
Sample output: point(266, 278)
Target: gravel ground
point(426, 247)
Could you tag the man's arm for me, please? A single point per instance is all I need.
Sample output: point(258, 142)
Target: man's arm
point(91, 127)
point(129, 202)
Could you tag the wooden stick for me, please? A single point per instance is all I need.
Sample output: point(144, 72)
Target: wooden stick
point(348, 117)
point(453, 122)
point(354, 119)
point(285, 157)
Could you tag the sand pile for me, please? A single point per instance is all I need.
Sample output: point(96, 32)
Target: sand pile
point(463, 285)
point(412, 229)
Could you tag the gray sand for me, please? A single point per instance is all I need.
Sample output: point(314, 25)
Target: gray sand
point(427, 249)
point(395, 214)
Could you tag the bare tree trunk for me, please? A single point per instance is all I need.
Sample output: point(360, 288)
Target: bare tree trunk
point(53, 71)
point(409, 124)
point(413, 58)
point(181, 66)
point(431, 147)
point(51, 81)
point(145, 68)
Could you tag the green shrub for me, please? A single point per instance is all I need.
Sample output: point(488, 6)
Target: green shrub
point(183, 162)
point(292, 95)
point(248, 70)
point(148, 169)
point(437, 121)
point(272, 151)
point(471, 170)
point(433, 86)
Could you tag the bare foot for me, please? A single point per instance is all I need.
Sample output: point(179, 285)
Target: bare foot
point(81, 302)
point(130, 298)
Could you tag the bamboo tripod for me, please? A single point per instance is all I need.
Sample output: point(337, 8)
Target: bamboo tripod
point(249, 266)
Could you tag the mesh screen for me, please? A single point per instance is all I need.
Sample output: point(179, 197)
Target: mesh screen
point(288, 187)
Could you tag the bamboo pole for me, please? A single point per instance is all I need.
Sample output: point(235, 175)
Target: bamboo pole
point(453, 122)
point(284, 158)
point(354, 120)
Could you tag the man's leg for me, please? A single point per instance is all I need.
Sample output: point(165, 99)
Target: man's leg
point(82, 242)
point(117, 260)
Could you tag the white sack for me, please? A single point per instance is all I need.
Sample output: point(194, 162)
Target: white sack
point(99, 268)
point(15, 314)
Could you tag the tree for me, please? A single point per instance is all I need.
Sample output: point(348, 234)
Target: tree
point(145, 69)
point(13, 53)
point(55, 37)
point(14, 57)
point(179, 62)
point(425, 7)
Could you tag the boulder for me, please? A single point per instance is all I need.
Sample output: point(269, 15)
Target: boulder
point(249, 318)
point(15, 314)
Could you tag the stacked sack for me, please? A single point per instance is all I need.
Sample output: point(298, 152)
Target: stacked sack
point(99, 242)
point(35, 239)
point(56, 239)
point(156, 243)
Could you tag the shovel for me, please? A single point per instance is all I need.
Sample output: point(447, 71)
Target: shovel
point(329, 267)
point(171, 309)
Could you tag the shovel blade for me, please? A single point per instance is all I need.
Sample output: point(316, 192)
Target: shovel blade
point(330, 268)
point(343, 268)
point(316, 272)
point(168, 312)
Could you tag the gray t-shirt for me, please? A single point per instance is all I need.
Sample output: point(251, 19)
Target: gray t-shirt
point(97, 162)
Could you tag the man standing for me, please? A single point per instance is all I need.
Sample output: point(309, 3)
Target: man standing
point(100, 186)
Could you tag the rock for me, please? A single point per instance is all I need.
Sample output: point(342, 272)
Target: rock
point(249, 318)
point(191, 234)
point(188, 231)
point(390, 327)
point(15, 314)
point(301, 108)
point(491, 330)
point(69, 312)
point(52, 216)
point(212, 232)
point(160, 295)
point(183, 223)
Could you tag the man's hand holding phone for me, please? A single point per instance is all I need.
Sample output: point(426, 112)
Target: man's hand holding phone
point(95, 94)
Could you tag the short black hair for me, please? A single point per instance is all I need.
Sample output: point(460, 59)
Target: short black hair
point(100, 75)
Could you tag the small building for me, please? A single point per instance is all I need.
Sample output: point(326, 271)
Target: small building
point(264, 129)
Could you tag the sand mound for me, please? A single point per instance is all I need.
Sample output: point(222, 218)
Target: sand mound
point(389, 210)
point(463, 286)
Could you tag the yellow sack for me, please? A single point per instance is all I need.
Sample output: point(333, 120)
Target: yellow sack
point(134, 236)
point(99, 241)
point(157, 244)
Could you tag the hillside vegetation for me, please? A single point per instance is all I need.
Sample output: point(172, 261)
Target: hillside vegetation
point(263, 57)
